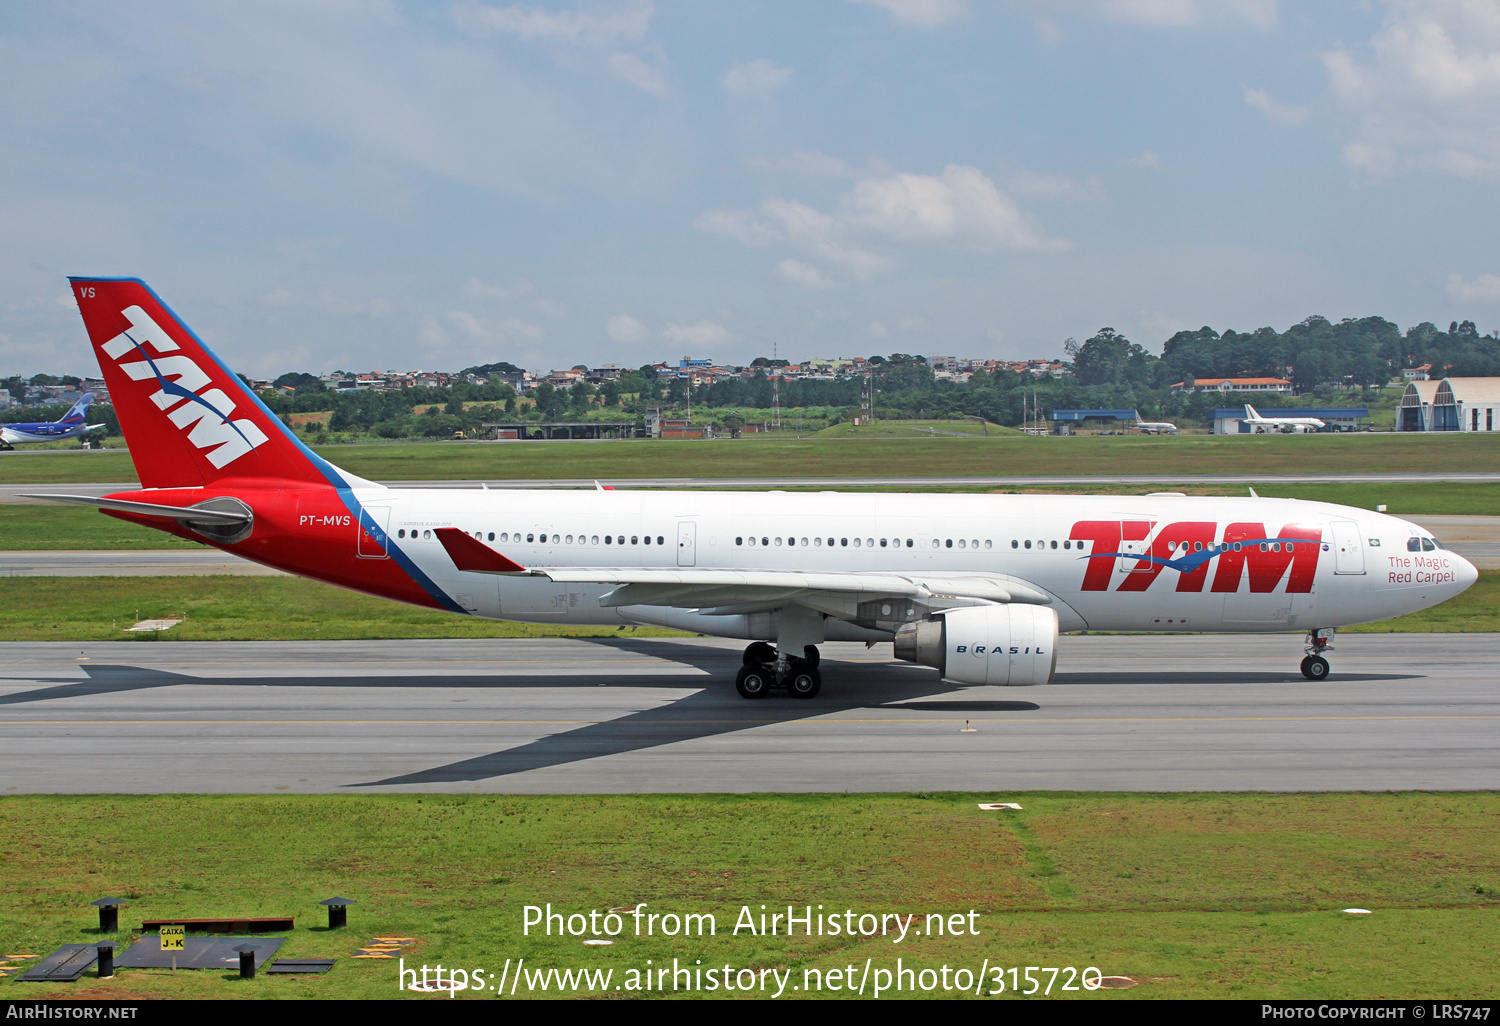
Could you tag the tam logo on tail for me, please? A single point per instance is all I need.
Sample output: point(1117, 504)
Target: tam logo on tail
point(205, 416)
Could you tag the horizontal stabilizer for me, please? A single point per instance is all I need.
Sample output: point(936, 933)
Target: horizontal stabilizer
point(151, 509)
point(473, 555)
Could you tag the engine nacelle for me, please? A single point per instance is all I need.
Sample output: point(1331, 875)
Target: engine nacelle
point(1001, 644)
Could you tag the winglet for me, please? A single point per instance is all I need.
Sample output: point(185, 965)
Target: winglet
point(475, 556)
point(603, 488)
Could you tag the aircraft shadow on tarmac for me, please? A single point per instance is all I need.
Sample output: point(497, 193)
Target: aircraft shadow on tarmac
point(712, 708)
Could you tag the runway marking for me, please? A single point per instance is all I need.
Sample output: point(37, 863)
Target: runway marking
point(809, 721)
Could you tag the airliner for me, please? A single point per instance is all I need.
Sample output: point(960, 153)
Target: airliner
point(1154, 427)
point(1286, 425)
point(70, 426)
point(979, 587)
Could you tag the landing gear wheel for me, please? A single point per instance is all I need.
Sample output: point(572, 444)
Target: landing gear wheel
point(752, 682)
point(805, 682)
point(1315, 668)
point(758, 653)
point(810, 656)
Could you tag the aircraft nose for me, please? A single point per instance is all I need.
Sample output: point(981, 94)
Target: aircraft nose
point(1465, 574)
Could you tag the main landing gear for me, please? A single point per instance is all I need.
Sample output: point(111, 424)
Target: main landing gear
point(1314, 666)
point(765, 669)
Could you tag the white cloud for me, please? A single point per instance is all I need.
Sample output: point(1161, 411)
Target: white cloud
point(1145, 159)
point(280, 297)
point(628, 21)
point(476, 289)
point(922, 13)
point(330, 303)
point(877, 330)
point(1056, 187)
point(803, 162)
point(603, 29)
point(1281, 113)
point(1261, 14)
point(803, 274)
point(625, 329)
point(960, 207)
point(508, 330)
point(704, 334)
point(649, 77)
point(1485, 288)
point(756, 80)
point(1429, 97)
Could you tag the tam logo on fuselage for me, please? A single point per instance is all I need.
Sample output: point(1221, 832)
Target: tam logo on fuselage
point(1138, 552)
point(183, 394)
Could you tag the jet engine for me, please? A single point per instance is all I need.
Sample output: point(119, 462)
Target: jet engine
point(997, 644)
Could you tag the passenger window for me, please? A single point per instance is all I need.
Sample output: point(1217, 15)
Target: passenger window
point(1054, 545)
point(818, 541)
point(659, 540)
point(882, 543)
point(988, 543)
point(632, 540)
point(844, 542)
point(401, 533)
point(740, 540)
point(856, 543)
point(492, 536)
point(1028, 543)
point(950, 543)
point(1015, 544)
point(530, 537)
point(909, 543)
point(607, 539)
point(596, 539)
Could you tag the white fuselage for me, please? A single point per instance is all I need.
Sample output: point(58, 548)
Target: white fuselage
point(1350, 565)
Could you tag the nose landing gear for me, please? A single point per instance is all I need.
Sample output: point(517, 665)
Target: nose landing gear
point(1314, 666)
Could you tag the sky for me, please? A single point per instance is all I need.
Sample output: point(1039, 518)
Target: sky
point(373, 184)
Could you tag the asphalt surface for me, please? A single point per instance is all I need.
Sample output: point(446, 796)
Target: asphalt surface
point(125, 563)
point(655, 715)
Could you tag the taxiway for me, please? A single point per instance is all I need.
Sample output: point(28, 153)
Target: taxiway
point(1193, 713)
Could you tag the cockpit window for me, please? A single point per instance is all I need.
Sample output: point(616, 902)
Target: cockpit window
point(1414, 545)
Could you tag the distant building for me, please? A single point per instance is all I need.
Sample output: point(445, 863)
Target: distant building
point(1227, 385)
point(1452, 404)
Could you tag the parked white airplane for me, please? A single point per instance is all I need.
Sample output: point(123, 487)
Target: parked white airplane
point(1156, 427)
point(977, 586)
point(1286, 425)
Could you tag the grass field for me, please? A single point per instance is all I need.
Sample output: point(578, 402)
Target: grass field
point(242, 609)
point(294, 609)
point(834, 455)
point(1200, 896)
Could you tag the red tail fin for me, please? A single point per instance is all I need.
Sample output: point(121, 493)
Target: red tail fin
point(188, 419)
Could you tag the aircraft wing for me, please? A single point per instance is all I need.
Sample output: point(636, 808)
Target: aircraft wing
point(726, 591)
